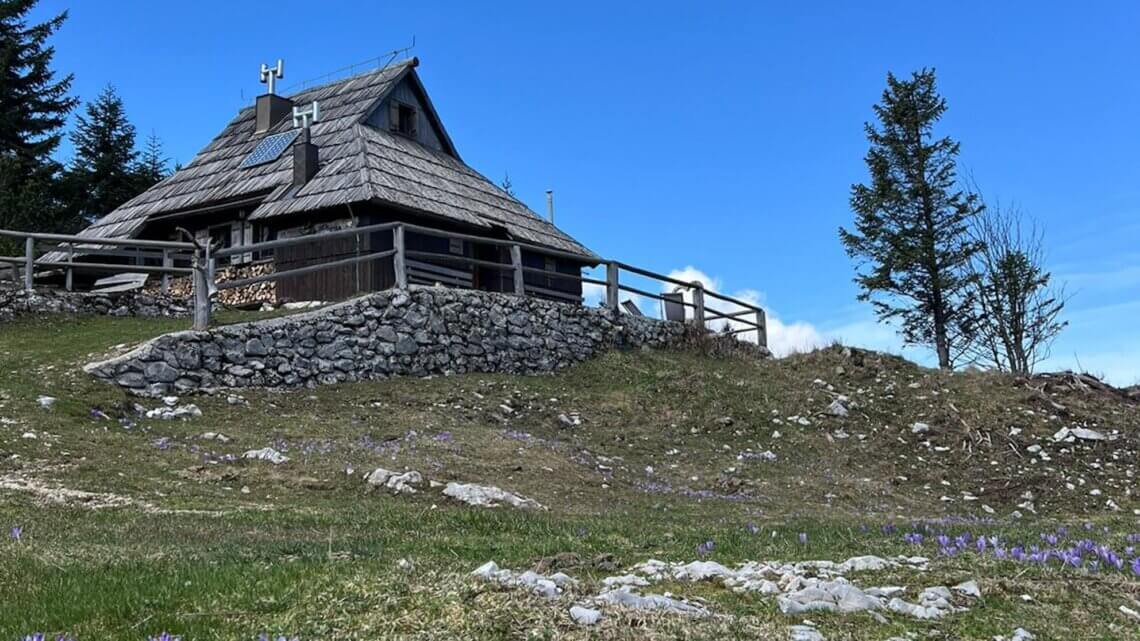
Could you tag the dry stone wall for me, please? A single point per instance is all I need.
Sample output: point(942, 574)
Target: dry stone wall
point(15, 303)
point(414, 332)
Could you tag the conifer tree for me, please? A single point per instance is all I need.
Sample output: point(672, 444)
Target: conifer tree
point(34, 105)
point(152, 166)
point(102, 174)
point(911, 236)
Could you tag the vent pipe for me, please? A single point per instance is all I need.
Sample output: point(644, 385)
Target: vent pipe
point(550, 205)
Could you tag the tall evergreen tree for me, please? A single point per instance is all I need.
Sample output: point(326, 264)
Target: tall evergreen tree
point(102, 174)
point(153, 166)
point(33, 108)
point(911, 229)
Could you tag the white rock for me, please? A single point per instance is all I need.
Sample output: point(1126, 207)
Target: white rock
point(585, 616)
point(215, 436)
point(622, 597)
point(266, 454)
point(867, 563)
point(488, 496)
point(919, 428)
point(624, 579)
point(170, 401)
point(837, 409)
point(1130, 612)
point(804, 633)
point(701, 570)
point(1088, 435)
point(29, 435)
point(969, 588)
point(405, 565)
point(46, 402)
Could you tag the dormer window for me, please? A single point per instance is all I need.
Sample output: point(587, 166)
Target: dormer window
point(402, 119)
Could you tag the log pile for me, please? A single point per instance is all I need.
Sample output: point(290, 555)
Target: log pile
point(265, 292)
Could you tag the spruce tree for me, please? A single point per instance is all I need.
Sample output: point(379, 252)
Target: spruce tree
point(152, 166)
point(102, 174)
point(34, 105)
point(911, 236)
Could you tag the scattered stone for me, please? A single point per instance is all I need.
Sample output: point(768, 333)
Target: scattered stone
point(919, 428)
point(624, 598)
point(585, 616)
point(837, 409)
point(1130, 612)
point(46, 402)
point(266, 454)
point(1019, 634)
point(399, 483)
point(170, 413)
point(550, 587)
point(215, 436)
point(804, 633)
point(968, 589)
point(405, 565)
point(488, 496)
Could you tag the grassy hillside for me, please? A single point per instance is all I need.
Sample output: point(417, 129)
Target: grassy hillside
point(133, 525)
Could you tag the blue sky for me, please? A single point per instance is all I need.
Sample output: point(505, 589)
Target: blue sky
point(722, 138)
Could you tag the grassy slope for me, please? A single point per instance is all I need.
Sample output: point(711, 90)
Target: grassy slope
point(305, 550)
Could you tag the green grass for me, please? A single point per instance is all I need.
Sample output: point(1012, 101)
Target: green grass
point(229, 550)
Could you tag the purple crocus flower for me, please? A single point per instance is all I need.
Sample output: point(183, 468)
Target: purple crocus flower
point(706, 548)
point(803, 538)
point(1051, 539)
point(980, 544)
point(752, 528)
point(1136, 566)
point(943, 541)
point(16, 532)
point(165, 636)
point(36, 636)
point(914, 538)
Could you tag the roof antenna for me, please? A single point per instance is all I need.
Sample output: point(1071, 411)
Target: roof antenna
point(305, 116)
point(550, 205)
point(270, 75)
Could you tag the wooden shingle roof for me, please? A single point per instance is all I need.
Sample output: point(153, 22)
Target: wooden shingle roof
point(358, 163)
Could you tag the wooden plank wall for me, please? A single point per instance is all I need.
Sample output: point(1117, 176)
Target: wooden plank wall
point(329, 284)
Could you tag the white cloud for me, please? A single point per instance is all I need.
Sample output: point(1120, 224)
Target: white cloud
point(783, 338)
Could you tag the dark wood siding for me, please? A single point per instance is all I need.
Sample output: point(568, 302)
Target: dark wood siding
point(328, 284)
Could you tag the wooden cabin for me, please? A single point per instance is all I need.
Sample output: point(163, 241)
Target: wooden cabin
point(378, 153)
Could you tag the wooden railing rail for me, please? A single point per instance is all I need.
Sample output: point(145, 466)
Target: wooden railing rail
point(743, 318)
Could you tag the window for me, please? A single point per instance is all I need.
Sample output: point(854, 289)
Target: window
point(402, 119)
point(455, 246)
point(550, 265)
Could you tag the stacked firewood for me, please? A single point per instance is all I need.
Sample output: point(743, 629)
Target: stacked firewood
point(264, 292)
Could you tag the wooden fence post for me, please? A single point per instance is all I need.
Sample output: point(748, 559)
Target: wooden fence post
point(761, 329)
point(167, 263)
point(612, 286)
point(201, 290)
point(399, 260)
point(29, 264)
point(69, 278)
point(699, 303)
point(516, 263)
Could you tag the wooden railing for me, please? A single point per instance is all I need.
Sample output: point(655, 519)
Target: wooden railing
point(408, 267)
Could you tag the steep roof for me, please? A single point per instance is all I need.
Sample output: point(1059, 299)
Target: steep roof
point(359, 163)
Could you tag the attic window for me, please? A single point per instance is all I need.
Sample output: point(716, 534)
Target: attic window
point(402, 119)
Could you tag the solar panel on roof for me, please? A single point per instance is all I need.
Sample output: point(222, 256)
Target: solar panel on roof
point(269, 149)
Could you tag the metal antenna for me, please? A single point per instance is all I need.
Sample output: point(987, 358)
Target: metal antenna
point(305, 116)
point(270, 75)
